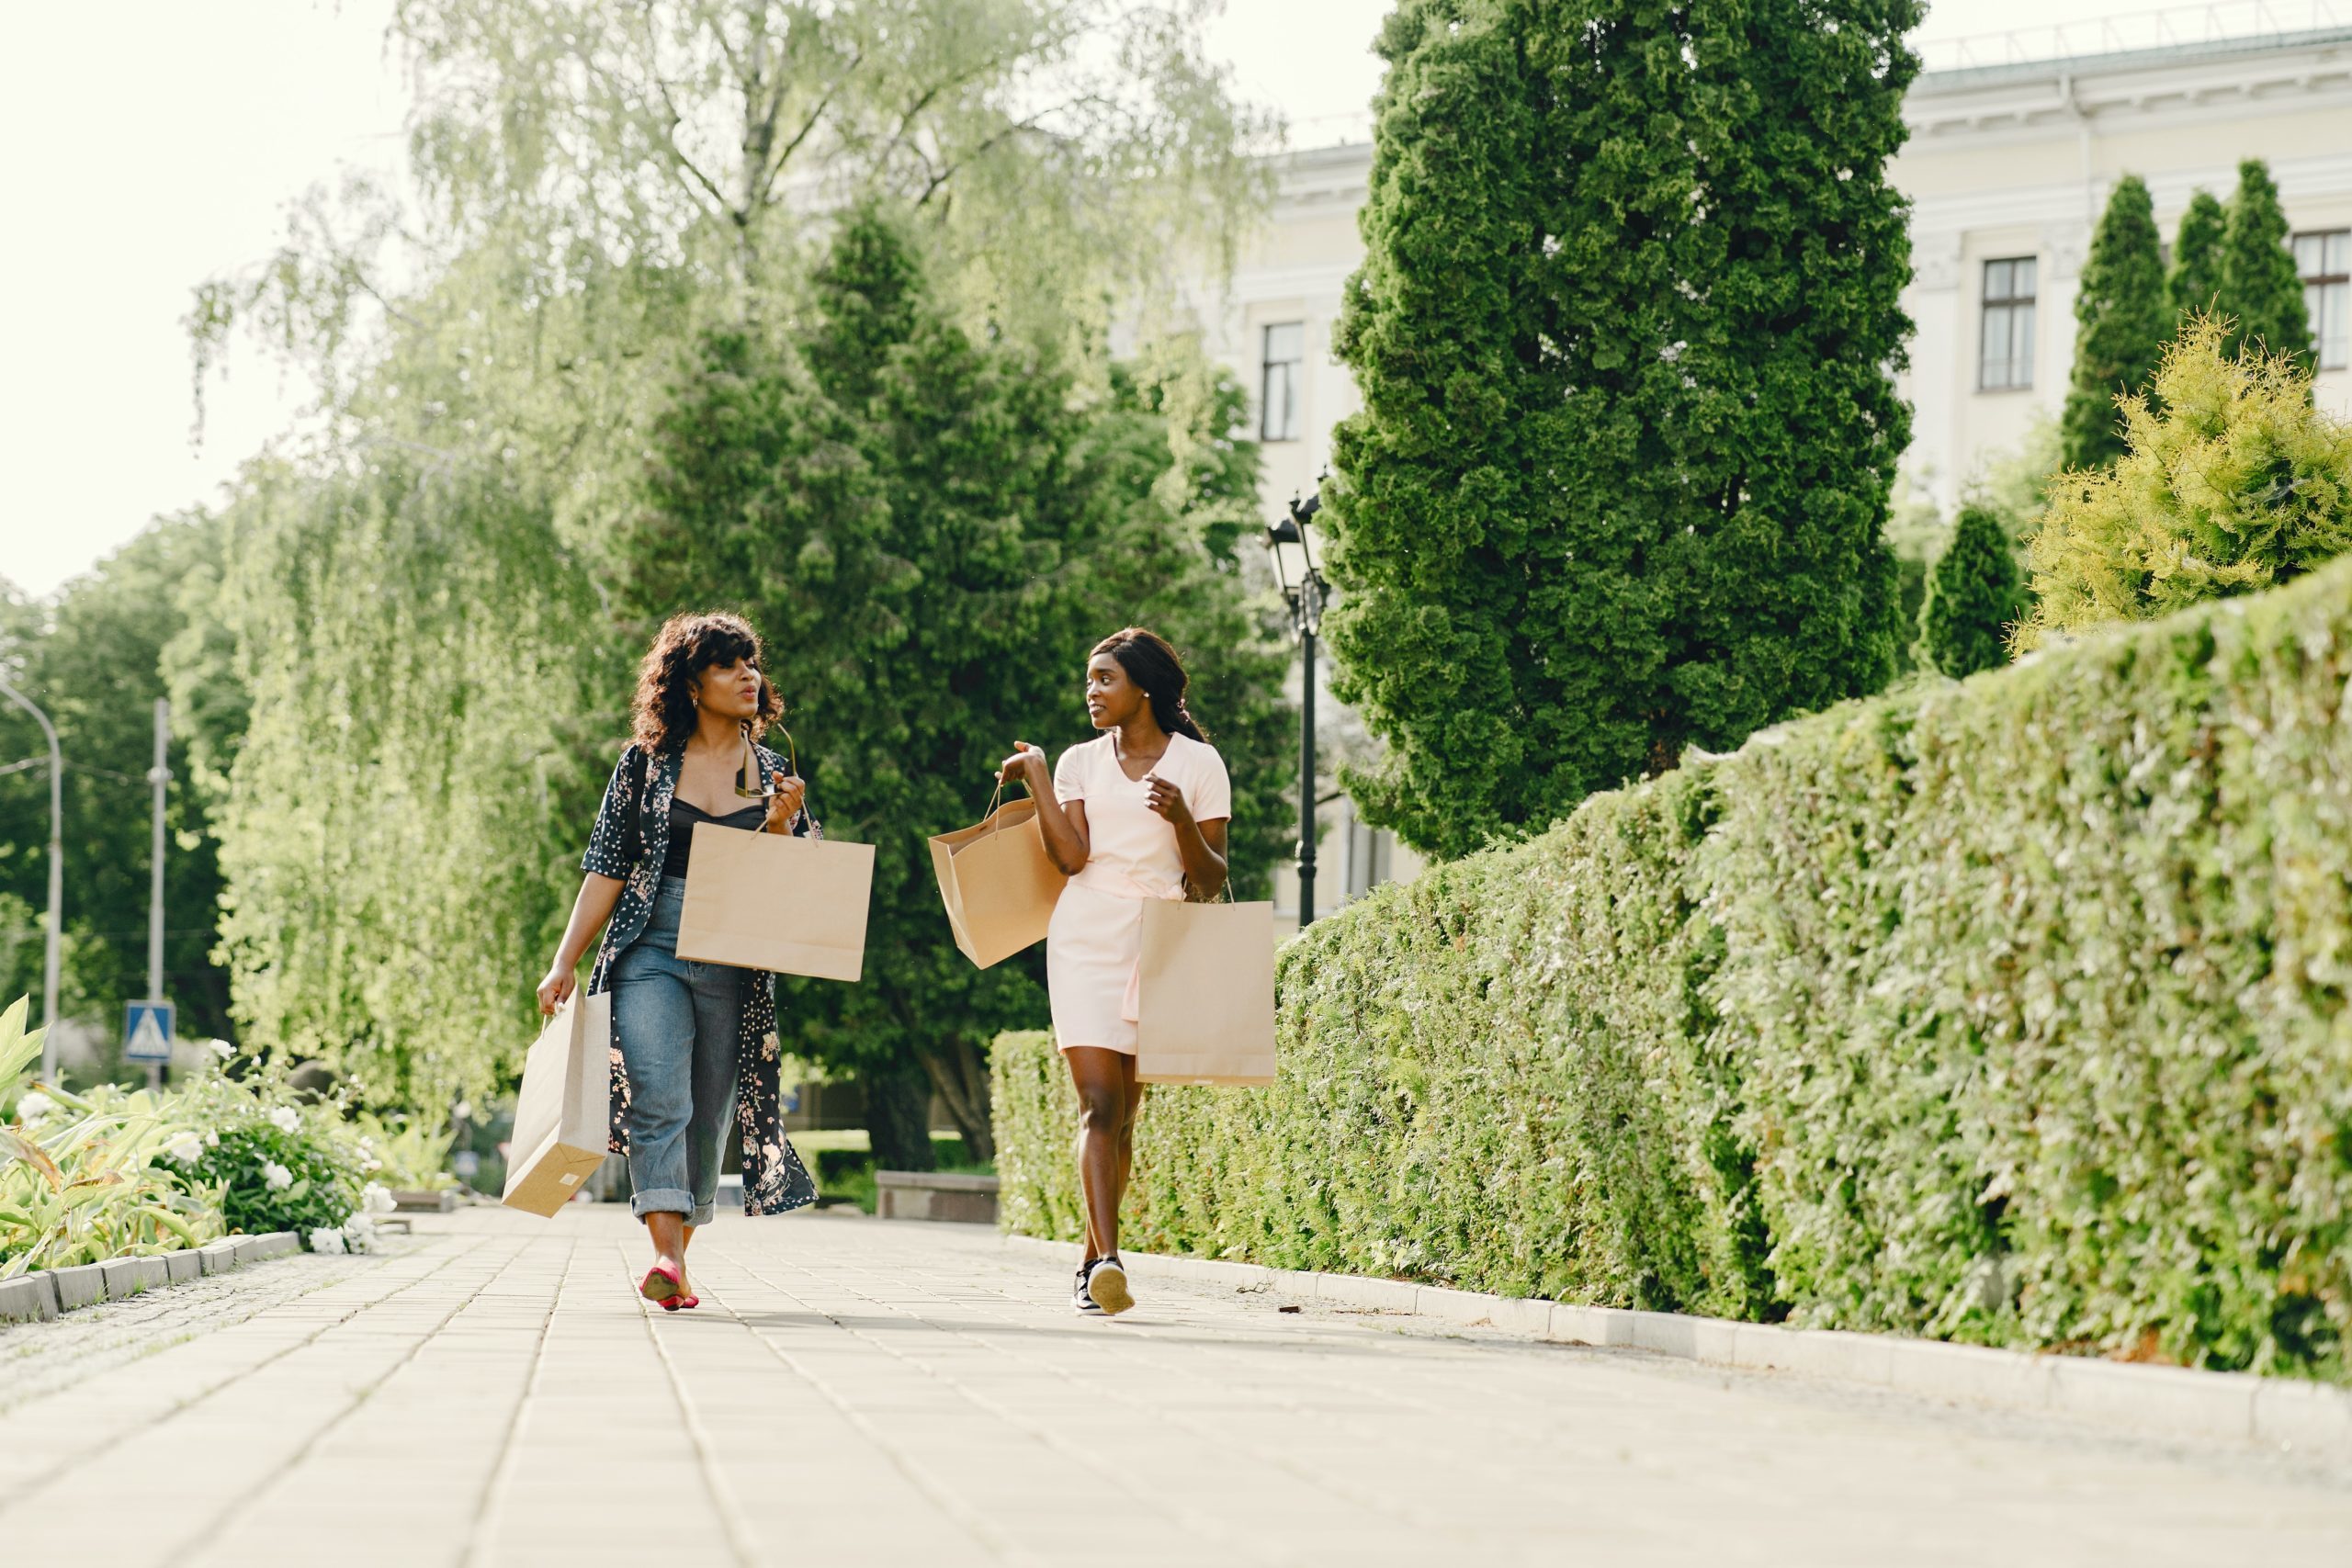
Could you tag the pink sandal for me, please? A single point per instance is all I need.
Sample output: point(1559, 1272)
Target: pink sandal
point(662, 1285)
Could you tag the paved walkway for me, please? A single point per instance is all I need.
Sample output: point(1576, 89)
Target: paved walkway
point(864, 1393)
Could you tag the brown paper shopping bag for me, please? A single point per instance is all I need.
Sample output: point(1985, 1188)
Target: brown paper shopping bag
point(768, 901)
point(998, 882)
point(563, 1116)
point(1205, 994)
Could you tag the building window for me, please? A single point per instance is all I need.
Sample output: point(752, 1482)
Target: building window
point(2325, 262)
point(1278, 387)
point(2004, 350)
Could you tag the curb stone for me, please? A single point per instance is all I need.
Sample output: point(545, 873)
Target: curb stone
point(28, 1298)
point(126, 1277)
point(2178, 1401)
point(40, 1296)
point(79, 1287)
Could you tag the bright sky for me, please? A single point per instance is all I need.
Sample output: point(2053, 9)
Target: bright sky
point(150, 144)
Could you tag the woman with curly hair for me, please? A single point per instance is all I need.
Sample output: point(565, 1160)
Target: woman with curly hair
point(1139, 812)
point(691, 1041)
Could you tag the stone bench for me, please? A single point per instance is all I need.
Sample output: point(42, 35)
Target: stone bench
point(934, 1195)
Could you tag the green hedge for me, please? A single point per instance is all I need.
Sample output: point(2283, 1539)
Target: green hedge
point(2010, 1012)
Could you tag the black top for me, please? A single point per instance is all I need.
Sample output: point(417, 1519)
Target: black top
point(683, 819)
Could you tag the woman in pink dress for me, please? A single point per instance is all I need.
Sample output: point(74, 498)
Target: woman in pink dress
point(1137, 813)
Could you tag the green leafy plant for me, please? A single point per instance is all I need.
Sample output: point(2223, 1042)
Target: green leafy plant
point(83, 1180)
point(279, 1163)
point(406, 1152)
point(2233, 482)
point(1974, 597)
point(117, 1173)
point(2015, 1012)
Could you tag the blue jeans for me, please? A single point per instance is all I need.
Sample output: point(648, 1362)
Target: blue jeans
point(677, 1023)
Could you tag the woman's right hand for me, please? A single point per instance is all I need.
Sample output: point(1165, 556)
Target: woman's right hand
point(555, 988)
point(1027, 764)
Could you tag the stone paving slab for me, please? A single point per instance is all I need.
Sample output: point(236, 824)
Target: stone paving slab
point(492, 1393)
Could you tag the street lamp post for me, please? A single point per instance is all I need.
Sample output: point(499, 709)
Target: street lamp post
point(1297, 548)
point(56, 879)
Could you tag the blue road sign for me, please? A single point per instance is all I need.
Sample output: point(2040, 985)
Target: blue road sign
point(147, 1032)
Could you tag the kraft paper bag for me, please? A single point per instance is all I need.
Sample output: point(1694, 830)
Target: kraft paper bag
point(563, 1116)
point(998, 883)
point(1205, 994)
point(769, 901)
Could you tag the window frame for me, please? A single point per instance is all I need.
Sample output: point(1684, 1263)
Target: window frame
point(1293, 369)
point(2015, 311)
point(2319, 285)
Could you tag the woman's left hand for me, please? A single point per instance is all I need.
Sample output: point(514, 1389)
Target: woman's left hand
point(1169, 801)
point(784, 806)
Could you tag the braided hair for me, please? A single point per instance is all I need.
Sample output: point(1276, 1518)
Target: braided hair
point(1152, 664)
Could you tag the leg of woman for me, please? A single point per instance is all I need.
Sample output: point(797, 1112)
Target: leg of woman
point(717, 994)
point(1101, 1078)
point(1131, 1111)
point(653, 1016)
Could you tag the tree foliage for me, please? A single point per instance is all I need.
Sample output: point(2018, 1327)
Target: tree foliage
point(96, 659)
point(931, 535)
point(1058, 152)
point(2195, 281)
point(475, 540)
point(1974, 597)
point(1624, 333)
point(2233, 482)
point(396, 830)
point(2123, 318)
point(2261, 292)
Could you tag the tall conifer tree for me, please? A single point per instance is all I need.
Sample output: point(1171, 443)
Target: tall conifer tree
point(2123, 316)
point(1624, 331)
point(2260, 289)
point(2195, 281)
point(1974, 597)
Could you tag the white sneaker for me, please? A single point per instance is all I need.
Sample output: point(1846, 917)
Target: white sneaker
point(1106, 1286)
point(1080, 1299)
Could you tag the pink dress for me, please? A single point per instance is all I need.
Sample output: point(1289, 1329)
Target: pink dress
point(1096, 936)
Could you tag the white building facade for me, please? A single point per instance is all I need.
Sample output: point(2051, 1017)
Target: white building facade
point(2009, 162)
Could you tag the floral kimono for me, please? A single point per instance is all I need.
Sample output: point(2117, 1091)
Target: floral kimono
point(631, 836)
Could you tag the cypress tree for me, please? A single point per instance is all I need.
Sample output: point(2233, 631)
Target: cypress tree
point(2195, 283)
point(2260, 288)
point(1630, 300)
point(1450, 533)
point(1972, 598)
point(2123, 315)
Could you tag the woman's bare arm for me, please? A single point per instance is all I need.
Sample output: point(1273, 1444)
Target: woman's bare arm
point(589, 913)
point(1063, 827)
point(1200, 845)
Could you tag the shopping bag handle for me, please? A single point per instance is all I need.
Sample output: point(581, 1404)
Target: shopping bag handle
point(747, 782)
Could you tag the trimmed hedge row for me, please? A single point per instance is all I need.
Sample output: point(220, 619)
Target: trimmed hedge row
point(2010, 1012)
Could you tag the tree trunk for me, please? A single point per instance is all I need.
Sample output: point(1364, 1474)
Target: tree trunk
point(959, 1071)
point(897, 1117)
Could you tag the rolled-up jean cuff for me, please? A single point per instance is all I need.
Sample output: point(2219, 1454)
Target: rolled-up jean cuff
point(662, 1200)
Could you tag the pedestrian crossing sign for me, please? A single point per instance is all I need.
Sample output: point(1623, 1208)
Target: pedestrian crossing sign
point(147, 1032)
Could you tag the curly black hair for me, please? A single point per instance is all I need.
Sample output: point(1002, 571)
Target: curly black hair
point(686, 647)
